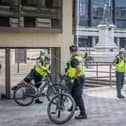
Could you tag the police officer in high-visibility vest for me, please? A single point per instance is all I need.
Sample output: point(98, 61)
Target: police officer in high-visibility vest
point(40, 70)
point(75, 71)
point(119, 63)
point(42, 56)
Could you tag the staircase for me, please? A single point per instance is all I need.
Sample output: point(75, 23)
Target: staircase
point(98, 82)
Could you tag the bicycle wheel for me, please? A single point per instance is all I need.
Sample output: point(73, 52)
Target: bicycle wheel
point(58, 112)
point(55, 89)
point(23, 95)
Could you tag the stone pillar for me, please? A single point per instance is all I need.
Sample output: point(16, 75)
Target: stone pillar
point(7, 74)
point(55, 62)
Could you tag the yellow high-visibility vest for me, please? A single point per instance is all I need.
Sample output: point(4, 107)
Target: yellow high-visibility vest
point(43, 72)
point(72, 71)
point(121, 66)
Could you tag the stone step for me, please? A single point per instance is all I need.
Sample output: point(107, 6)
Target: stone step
point(98, 83)
point(93, 85)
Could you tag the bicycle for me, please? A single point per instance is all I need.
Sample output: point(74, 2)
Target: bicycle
point(59, 105)
point(25, 94)
point(59, 86)
point(58, 108)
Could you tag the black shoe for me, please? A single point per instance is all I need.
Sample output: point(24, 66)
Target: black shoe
point(14, 88)
point(120, 96)
point(38, 101)
point(81, 116)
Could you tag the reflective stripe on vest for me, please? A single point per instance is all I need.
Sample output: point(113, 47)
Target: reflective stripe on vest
point(72, 70)
point(41, 71)
point(120, 67)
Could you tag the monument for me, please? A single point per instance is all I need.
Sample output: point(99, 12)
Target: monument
point(106, 49)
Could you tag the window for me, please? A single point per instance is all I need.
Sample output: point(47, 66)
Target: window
point(85, 42)
point(123, 13)
point(83, 12)
point(29, 2)
point(120, 13)
point(29, 22)
point(49, 3)
point(4, 2)
point(33, 13)
point(97, 11)
point(123, 43)
point(4, 21)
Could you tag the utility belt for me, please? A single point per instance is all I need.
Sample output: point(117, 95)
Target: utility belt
point(81, 76)
point(120, 72)
point(78, 78)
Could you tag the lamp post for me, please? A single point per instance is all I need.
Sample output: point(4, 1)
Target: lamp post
point(77, 22)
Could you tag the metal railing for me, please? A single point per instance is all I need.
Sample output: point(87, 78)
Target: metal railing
point(99, 70)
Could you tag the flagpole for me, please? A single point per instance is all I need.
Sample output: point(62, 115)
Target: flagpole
point(110, 9)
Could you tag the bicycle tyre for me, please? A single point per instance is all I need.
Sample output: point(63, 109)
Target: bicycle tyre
point(52, 102)
point(16, 99)
point(54, 90)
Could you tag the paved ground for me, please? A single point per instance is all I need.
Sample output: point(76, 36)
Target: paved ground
point(103, 109)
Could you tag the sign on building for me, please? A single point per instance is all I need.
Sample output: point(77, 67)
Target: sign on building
point(20, 55)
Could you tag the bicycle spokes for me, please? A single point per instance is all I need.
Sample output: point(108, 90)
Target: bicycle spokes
point(58, 112)
point(22, 97)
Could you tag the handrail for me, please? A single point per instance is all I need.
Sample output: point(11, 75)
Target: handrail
point(109, 72)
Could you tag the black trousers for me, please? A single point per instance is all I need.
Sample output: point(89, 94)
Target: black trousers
point(119, 82)
point(77, 92)
point(33, 75)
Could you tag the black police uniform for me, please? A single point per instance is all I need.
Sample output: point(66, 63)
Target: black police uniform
point(77, 89)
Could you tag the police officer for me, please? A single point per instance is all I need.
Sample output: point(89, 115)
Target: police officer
point(42, 56)
point(76, 72)
point(119, 63)
point(40, 70)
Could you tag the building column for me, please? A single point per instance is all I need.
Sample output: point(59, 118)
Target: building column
point(7, 73)
point(55, 62)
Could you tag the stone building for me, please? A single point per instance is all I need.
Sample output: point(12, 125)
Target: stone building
point(33, 24)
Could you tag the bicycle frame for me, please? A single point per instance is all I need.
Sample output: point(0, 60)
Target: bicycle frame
point(47, 83)
point(42, 87)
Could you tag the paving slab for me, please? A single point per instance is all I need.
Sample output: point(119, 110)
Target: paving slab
point(103, 109)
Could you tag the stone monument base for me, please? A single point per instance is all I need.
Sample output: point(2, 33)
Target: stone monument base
point(105, 49)
point(104, 56)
